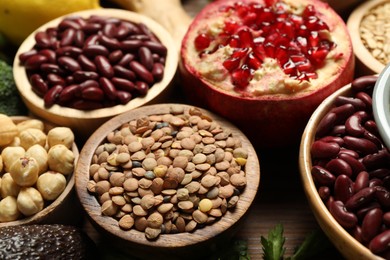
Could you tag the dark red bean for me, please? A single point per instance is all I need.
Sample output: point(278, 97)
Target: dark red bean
point(55, 79)
point(320, 149)
point(360, 145)
point(126, 59)
point(383, 196)
point(338, 130)
point(345, 218)
point(91, 28)
point(355, 164)
point(115, 56)
point(92, 93)
point(377, 160)
point(364, 83)
point(89, 83)
point(324, 193)
point(357, 233)
point(86, 105)
point(322, 176)
point(369, 136)
point(146, 58)
point(49, 54)
point(52, 95)
point(109, 29)
point(141, 87)
point(69, 93)
point(379, 173)
point(158, 71)
point(326, 124)
point(371, 224)
point(141, 71)
point(343, 112)
point(370, 126)
point(352, 153)
point(103, 66)
point(25, 55)
point(156, 47)
point(363, 96)
point(91, 40)
point(131, 45)
point(67, 23)
point(43, 40)
point(375, 182)
point(386, 218)
point(353, 125)
point(35, 61)
point(81, 75)
point(361, 181)
point(380, 243)
point(47, 68)
point(123, 84)
point(338, 166)
point(79, 38)
point(69, 51)
point(38, 85)
point(68, 37)
point(357, 103)
point(110, 43)
point(124, 96)
point(361, 213)
point(332, 139)
point(343, 188)
point(122, 31)
point(108, 88)
point(86, 64)
point(122, 72)
point(69, 79)
point(95, 50)
point(360, 198)
point(69, 63)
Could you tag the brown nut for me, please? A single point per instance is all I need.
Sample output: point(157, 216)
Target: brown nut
point(29, 201)
point(60, 135)
point(32, 136)
point(40, 154)
point(61, 159)
point(25, 171)
point(8, 209)
point(8, 130)
point(51, 184)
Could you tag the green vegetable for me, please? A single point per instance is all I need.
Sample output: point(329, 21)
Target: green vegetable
point(273, 245)
point(11, 103)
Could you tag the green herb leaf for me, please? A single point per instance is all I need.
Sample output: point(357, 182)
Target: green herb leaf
point(313, 245)
point(273, 246)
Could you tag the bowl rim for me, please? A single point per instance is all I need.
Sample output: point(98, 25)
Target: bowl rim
point(381, 104)
point(353, 25)
point(56, 110)
point(110, 225)
point(40, 216)
point(346, 244)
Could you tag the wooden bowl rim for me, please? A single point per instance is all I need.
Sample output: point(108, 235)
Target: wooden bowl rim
point(51, 208)
point(31, 99)
point(110, 225)
point(353, 25)
point(344, 242)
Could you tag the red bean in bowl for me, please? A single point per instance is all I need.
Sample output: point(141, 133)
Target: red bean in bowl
point(123, 58)
point(351, 168)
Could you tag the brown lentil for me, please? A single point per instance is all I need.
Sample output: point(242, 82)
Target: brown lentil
point(168, 173)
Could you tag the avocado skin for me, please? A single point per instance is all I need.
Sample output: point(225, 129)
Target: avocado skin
point(52, 241)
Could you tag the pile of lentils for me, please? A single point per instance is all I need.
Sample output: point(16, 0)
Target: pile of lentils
point(168, 173)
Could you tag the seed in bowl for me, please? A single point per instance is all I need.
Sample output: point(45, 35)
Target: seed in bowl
point(95, 62)
point(168, 173)
point(351, 168)
point(34, 166)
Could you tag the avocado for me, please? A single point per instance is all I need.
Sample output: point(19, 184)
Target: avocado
point(46, 241)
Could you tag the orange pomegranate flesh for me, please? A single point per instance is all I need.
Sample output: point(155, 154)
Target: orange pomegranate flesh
point(285, 51)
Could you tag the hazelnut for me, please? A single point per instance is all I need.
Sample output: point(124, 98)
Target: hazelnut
point(60, 135)
point(29, 201)
point(32, 136)
point(11, 154)
point(8, 209)
point(61, 159)
point(51, 184)
point(8, 130)
point(40, 154)
point(24, 171)
point(8, 186)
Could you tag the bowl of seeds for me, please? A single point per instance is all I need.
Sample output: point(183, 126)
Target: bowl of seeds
point(167, 179)
point(369, 27)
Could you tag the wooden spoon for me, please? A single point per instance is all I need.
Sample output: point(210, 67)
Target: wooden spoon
point(169, 13)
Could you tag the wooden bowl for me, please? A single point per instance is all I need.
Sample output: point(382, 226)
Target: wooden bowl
point(83, 123)
point(167, 246)
point(348, 246)
point(58, 210)
point(366, 63)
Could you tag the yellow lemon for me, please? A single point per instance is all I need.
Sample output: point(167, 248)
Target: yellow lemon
point(19, 18)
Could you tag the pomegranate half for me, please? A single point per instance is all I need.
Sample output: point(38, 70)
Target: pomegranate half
point(265, 65)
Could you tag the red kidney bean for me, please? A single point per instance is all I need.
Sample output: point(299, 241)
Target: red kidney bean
point(377, 160)
point(68, 37)
point(103, 66)
point(158, 71)
point(49, 54)
point(343, 188)
point(109, 29)
point(343, 112)
point(356, 165)
point(360, 198)
point(91, 28)
point(353, 124)
point(35, 61)
point(375, 182)
point(361, 181)
point(364, 83)
point(25, 55)
point(123, 96)
point(122, 72)
point(363, 96)
point(145, 30)
point(94, 50)
point(372, 223)
point(79, 38)
point(81, 75)
point(68, 24)
point(69, 63)
point(332, 139)
point(69, 51)
point(55, 79)
point(360, 145)
point(123, 84)
point(69, 79)
point(69, 93)
point(108, 88)
point(338, 130)
point(89, 83)
point(361, 213)
point(141, 71)
point(91, 40)
point(51, 96)
point(380, 242)
point(85, 63)
point(141, 37)
point(110, 43)
point(338, 166)
point(357, 103)
point(326, 124)
point(122, 31)
point(126, 59)
point(47, 68)
point(383, 196)
point(321, 149)
point(352, 153)
point(43, 40)
point(369, 136)
point(131, 45)
point(92, 93)
point(357, 233)
point(141, 87)
point(115, 56)
point(386, 218)
point(370, 126)
point(146, 58)
point(322, 176)
point(86, 105)
point(324, 193)
point(39, 86)
point(156, 47)
point(345, 218)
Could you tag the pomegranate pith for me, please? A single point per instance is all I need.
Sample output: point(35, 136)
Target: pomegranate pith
point(269, 30)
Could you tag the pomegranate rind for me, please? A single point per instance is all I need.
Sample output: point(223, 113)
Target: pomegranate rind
point(271, 119)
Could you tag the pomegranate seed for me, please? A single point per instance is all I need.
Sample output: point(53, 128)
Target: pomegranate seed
point(234, 41)
point(246, 37)
point(230, 27)
point(231, 64)
point(202, 41)
point(259, 51)
point(240, 53)
point(290, 68)
point(253, 61)
point(303, 66)
point(318, 56)
point(314, 39)
point(241, 77)
point(281, 55)
point(269, 50)
point(309, 11)
point(250, 19)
